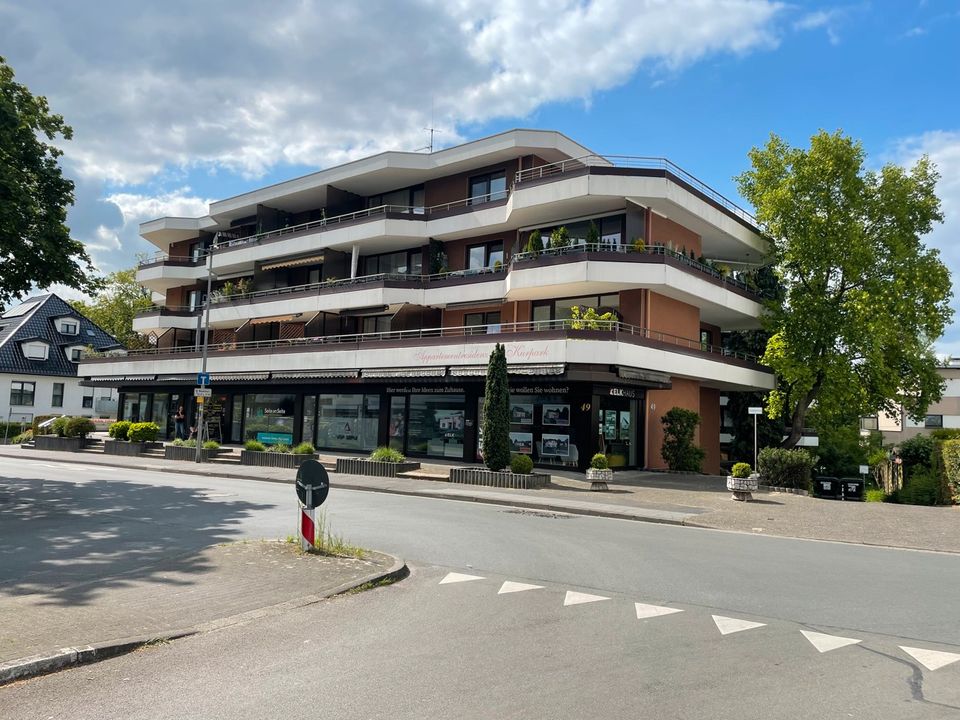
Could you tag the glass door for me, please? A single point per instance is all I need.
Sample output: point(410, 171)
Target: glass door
point(617, 432)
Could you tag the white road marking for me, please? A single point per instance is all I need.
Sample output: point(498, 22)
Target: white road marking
point(727, 625)
point(648, 611)
point(931, 659)
point(459, 577)
point(578, 598)
point(512, 587)
point(825, 643)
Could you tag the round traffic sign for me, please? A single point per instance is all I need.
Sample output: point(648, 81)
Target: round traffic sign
point(313, 484)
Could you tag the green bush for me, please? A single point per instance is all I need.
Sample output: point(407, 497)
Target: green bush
point(254, 446)
point(599, 462)
point(386, 454)
point(496, 412)
point(678, 449)
point(211, 445)
point(25, 436)
point(38, 421)
point(741, 470)
point(185, 443)
point(560, 237)
point(281, 448)
point(785, 468)
point(946, 434)
point(917, 452)
point(143, 432)
point(304, 448)
point(79, 427)
point(177, 443)
point(521, 464)
point(59, 426)
point(950, 452)
point(119, 429)
point(11, 429)
point(921, 488)
point(875, 495)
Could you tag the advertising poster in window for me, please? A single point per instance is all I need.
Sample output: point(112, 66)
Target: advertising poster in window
point(521, 414)
point(555, 445)
point(521, 442)
point(556, 415)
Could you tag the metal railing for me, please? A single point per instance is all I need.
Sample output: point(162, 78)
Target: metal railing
point(637, 162)
point(569, 326)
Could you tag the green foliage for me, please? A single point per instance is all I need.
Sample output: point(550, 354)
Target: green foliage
point(59, 426)
point(281, 448)
point(589, 319)
point(639, 245)
point(387, 454)
point(865, 298)
point(304, 448)
point(143, 432)
point(25, 436)
point(593, 234)
point(769, 431)
point(950, 454)
point(521, 464)
point(9, 429)
point(211, 445)
point(119, 429)
point(875, 495)
point(559, 237)
point(191, 443)
point(39, 420)
point(842, 449)
point(741, 470)
point(917, 452)
point(678, 449)
point(785, 468)
point(600, 462)
point(78, 427)
point(534, 243)
point(922, 487)
point(254, 446)
point(115, 306)
point(496, 412)
point(35, 242)
point(178, 442)
point(945, 434)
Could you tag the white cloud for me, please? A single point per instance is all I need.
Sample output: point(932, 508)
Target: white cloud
point(136, 208)
point(943, 147)
point(829, 20)
point(242, 87)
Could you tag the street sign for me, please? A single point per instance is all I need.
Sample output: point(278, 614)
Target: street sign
point(755, 410)
point(864, 469)
point(313, 484)
point(202, 392)
point(203, 379)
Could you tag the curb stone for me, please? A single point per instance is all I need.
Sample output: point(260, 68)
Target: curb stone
point(44, 664)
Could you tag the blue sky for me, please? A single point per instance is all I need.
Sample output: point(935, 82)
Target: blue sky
point(178, 103)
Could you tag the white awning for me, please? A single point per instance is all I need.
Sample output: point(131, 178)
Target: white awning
point(293, 262)
point(239, 376)
point(316, 374)
point(417, 372)
point(139, 377)
point(481, 370)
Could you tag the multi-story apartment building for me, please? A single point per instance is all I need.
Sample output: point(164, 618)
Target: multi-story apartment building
point(357, 306)
point(898, 427)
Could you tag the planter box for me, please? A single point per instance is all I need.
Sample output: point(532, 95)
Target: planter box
point(178, 452)
point(599, 478)
point(742, 488)
point(374, 468)
point(52, 442)
point(489, 478)
point(277, 460)
point(123, 447)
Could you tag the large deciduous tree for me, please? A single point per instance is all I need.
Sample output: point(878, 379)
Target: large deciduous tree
point(36, 249)
point(115, 305)
point(864, 297)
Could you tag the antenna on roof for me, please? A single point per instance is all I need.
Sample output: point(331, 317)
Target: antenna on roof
point(430, 130)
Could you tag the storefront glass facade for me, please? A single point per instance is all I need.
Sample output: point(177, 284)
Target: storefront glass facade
point(269, 418)
point(347, 422)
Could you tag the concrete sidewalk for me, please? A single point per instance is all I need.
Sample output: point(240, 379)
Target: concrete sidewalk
point(45, 628)
point(694, 500)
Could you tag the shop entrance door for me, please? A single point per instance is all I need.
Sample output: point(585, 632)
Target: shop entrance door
point(617, 430)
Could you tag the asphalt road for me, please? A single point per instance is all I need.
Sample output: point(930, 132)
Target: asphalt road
point(425, 649)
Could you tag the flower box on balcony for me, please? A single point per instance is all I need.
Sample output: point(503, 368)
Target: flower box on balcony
point(499, 479)
point(272, 459)
point(374, 468)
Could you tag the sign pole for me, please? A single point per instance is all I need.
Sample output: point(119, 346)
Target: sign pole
point(755, 411)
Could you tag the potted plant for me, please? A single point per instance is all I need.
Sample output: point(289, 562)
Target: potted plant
point(599, 472)
point(130, 438)
point(742, 482)
point(382, 462)
point(69, 433)
point(639, 245)
point(256, 453)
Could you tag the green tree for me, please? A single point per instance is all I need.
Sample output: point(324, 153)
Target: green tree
point(496, 412)
point(36, 249)
point(864, 298)
point(115, 306)
point(678, 449)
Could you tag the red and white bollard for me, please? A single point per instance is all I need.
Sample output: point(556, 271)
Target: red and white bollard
point(308, 528)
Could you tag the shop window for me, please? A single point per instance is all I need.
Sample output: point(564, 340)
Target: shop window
point(269, 418)
point(348, 422)
point(436, 425)
point(309, 418)
point(397, 431)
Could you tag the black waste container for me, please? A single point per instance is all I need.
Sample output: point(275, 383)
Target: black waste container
point(852, 488)
point(827, 487)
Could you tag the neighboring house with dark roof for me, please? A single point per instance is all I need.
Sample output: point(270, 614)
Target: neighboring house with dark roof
point(41, 341)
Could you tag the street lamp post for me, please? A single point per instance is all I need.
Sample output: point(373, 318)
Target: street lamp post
point(206, 343)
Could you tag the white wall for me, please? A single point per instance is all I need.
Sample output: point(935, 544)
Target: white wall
point(73, 396)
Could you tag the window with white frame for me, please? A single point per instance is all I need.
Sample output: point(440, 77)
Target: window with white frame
point(36, 350)
point(75, 352)
point(68, 326)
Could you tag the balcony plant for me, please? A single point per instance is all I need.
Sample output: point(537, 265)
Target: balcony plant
point(534, 243)
point(587, 318)
point(593, 234)
point(559, 238)
point(639, 245)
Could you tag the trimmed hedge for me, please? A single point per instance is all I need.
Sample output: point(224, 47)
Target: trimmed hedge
point(521, 464)
point(678, 449)
point(950, 452)
point(741, 470)
point(780, 467)
point(599, 462)
point(119, 429)
point(79, 427)
point(143, 432)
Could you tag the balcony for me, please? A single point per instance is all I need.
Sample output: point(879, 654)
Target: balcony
point(585, 342)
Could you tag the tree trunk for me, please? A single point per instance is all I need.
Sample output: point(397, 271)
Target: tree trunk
point(800, 414)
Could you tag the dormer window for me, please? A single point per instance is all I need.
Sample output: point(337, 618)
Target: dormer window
point(36, 350)
point(75, 352)
point(68, 326)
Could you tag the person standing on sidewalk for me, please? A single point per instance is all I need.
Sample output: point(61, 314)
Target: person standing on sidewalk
point(180, 422)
